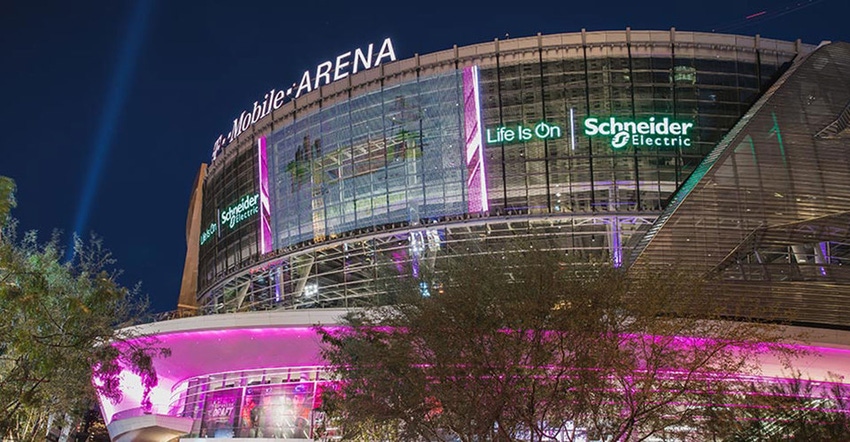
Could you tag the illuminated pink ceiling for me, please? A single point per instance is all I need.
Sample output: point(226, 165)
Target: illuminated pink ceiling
point(256, 340)
point(199, 352)
point(222, 343)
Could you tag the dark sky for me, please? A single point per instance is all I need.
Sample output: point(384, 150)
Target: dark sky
point(145, 90)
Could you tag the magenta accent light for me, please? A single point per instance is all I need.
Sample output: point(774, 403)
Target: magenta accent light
point(217, 345)
point(203, 351)
point(616, 247)
point(265, 205)
point(476, 183)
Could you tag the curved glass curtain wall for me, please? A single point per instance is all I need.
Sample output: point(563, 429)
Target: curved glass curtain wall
point(393, 159)
point(389, 156)
point(396, 155)
point(227, 249)
point(583, 174)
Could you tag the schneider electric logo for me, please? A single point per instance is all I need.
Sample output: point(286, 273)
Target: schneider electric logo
point(245, 208)
point(651, 132)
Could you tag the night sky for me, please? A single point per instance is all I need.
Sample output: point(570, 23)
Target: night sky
point(109, 107)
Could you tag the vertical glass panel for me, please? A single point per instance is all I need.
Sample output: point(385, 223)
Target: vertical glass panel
point(388, 156)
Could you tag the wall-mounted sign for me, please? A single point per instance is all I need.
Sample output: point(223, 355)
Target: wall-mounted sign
point(337, 68)
point(209, 233)
point(247, 207)
point(650, 132)
point(520, 133)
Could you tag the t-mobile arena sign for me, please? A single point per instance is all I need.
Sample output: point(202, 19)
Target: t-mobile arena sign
point(345, 64)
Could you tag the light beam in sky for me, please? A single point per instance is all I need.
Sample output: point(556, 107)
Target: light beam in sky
point(109, 118)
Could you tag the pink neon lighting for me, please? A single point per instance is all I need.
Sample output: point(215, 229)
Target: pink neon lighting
point(476, 182)
point(212, 350)
point(201, 352)
point(265, 205)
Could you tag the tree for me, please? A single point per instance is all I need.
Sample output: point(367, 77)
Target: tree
point(57, 332)
point(7, 200)
point(526, 345)
point(791, 409)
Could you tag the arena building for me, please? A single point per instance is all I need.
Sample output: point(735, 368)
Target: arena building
point(725, 153)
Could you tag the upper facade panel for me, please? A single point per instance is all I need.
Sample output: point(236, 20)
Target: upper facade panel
point(591, 125)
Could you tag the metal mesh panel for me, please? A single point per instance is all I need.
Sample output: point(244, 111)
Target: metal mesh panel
point(770, 207)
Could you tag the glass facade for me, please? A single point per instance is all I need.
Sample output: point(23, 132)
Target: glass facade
point(379, 171)
point(223, 248)
point(393, 155)
point(581, 174)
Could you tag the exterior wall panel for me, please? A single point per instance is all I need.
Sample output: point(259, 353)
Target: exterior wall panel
point(381, 175)
point(767, 211)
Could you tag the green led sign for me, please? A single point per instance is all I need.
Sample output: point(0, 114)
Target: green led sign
point(207, 234)
point(640, 133)
point(246, 207)
point(540, 131)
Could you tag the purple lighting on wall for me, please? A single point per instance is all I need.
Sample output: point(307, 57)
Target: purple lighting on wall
point(208, 347)
point(616, 246)
point(824, 255)
point(204, 351)
point(265, 209)
point(476, 182)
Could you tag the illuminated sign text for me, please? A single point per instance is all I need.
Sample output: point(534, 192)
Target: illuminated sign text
point(337, 68)
point(540, 131)
point(640, 133)
point(207, 234)
point(244, 209)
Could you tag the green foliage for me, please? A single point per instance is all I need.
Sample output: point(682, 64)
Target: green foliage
point(524, 345)
point(793, 409)
point(57, 332)
point(7, 199)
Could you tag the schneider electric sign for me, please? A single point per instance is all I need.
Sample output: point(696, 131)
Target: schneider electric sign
point(244, 209)
point(651, 132)
point(343, 65)
point(232, 216)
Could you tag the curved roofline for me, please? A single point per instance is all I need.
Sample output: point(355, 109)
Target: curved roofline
point(461, 56)
point(241, 320)
point(308, 318)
